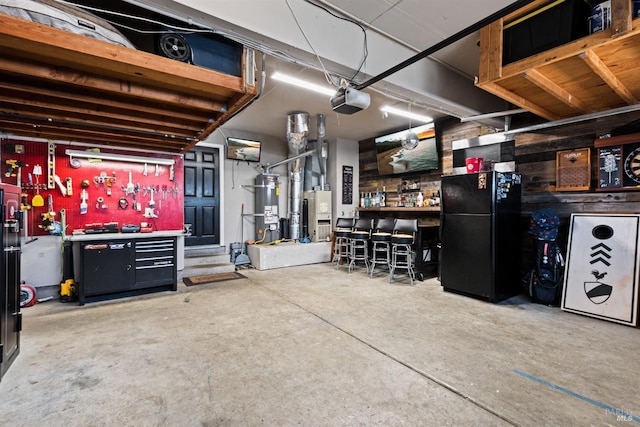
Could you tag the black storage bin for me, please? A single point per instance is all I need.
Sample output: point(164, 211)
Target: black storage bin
point(557, 25)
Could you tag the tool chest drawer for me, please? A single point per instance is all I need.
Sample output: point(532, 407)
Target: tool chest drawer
point(155, 262)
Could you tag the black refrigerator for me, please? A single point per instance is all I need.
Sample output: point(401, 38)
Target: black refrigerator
point(480, 234)
point(10, 316)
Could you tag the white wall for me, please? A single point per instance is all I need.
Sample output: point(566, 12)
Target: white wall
point(236, 174)
point(343, 152)
point(41, 261)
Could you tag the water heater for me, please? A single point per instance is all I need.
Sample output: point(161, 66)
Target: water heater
point(267, 216)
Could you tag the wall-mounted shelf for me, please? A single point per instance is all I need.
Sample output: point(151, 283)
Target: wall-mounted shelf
point(118, 157)
point(592, 73)
point(93, 92)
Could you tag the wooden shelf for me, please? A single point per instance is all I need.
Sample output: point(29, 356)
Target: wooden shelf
point(401, 209)
point(66, 86)
point(593, 73)
point(428, 216)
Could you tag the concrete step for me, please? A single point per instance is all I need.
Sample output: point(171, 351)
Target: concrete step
point(204, 269)
point(212, 258)
point(203, 260)
point(204, 250)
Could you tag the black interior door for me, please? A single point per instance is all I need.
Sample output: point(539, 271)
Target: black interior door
point(202, 196)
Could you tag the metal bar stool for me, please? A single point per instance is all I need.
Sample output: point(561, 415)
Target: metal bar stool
point(380, 244)
point(359, 242)
point(402, 253)
point(341, 241)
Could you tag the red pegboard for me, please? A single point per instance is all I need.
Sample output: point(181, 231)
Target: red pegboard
point(168, 200)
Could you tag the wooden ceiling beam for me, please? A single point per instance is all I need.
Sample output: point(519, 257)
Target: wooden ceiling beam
point(90, 121)
point(595, 63)
point(87, 54)
point(491, 52)
point(11, 104)
point(66, 86)
point(109, 87)
point(620, 17)
point(520, 101)
point(238, 103)
point(99, 106)
point(538, 79)
point(96, 133)
point(57, 134)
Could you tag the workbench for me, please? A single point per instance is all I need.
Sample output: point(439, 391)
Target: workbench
point(115, 265)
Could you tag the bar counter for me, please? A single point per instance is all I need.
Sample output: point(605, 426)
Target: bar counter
point(428, 233)
point(428, 216)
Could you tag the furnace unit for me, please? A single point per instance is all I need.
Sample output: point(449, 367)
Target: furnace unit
point(319, 203)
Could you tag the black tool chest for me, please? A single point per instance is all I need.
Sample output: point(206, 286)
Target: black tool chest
point(125, 267)
point(155, 262)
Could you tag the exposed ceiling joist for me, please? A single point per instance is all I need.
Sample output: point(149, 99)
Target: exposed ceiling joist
point(59, 85)
point(553, 89)
point(600, 68)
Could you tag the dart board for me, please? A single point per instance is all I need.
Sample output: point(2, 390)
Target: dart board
point(631, 165)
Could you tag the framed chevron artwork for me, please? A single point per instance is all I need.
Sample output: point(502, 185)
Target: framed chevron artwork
point(603, 267)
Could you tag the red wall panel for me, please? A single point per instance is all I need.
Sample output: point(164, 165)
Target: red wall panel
point(101, 207)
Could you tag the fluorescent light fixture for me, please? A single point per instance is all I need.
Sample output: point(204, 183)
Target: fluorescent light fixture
point(325, 90)
point(407, 114)
point(118, 157)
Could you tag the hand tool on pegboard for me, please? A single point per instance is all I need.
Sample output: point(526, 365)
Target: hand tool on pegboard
point(69, 184)
point(83, 201)
point(61, 186)
point(13, 165)
point(37, 199)
point(130, 188)
point(149, 212)
point(48, 218)
point(51, 165)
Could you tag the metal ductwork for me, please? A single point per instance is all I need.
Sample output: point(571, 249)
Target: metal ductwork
point(322, 153)
point(297, 132)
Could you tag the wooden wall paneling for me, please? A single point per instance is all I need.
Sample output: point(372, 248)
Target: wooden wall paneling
point(538, 176)
point(535, 160)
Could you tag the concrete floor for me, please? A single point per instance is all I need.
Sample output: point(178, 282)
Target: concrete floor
point(315, 346)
